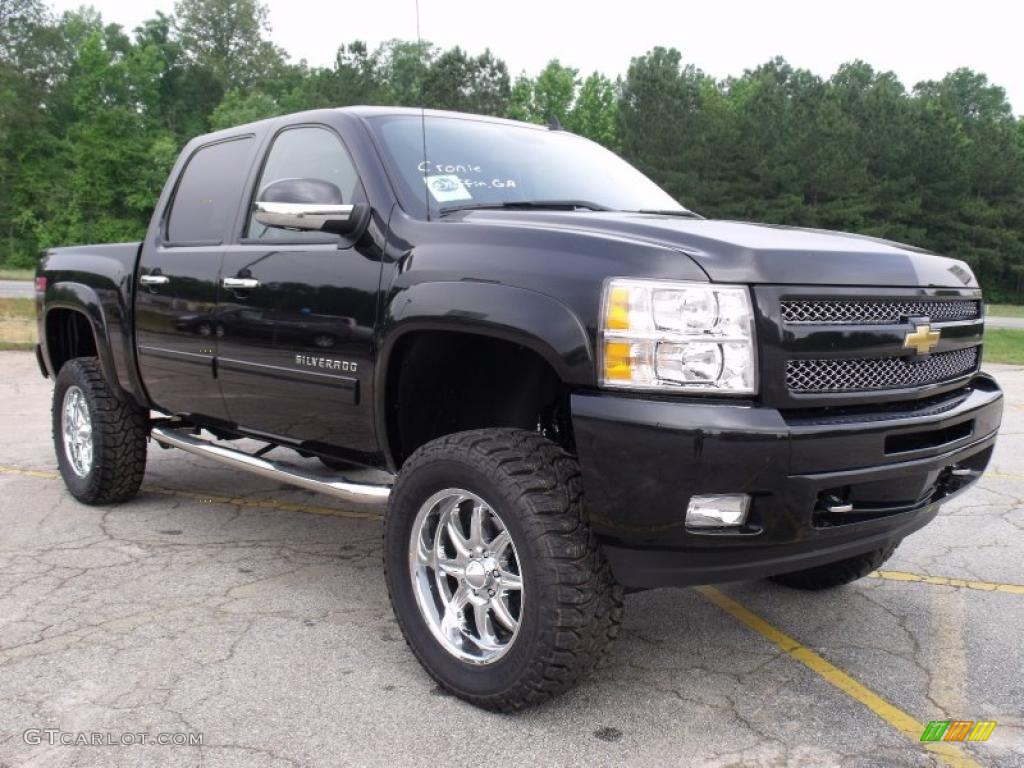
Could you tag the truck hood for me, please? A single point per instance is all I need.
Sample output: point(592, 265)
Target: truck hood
point(741, 252)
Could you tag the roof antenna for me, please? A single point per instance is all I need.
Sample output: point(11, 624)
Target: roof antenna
point(423, 117)
point(553, 124)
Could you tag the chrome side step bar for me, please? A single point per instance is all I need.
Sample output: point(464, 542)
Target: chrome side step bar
point(363, 495)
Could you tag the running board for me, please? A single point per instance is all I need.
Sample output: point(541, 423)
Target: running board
point(363, 495)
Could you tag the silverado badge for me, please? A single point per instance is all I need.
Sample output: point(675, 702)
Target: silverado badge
point(311, 361)
point(922, 339)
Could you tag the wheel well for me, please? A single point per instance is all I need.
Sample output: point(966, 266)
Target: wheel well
point(442, 382)
point(68, 335)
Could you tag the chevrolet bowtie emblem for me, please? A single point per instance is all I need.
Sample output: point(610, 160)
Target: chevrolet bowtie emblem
point(922, 339)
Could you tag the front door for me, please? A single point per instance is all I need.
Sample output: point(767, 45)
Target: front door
point(296, 315)
point(177, 285)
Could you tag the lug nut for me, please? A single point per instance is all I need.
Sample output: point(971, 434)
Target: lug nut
point(491, 592)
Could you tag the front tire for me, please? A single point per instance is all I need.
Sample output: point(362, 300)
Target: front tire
point(100, 440)
point(838, 573)
point(497, 581)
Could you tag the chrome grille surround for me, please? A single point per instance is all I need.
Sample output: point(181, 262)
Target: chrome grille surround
point(867, 374)
point(877, 312)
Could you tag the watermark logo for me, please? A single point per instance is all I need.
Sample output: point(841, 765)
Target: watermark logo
point(958, 730)
point(55, 736)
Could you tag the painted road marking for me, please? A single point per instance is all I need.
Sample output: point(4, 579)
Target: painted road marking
point(43, 474)
point(944, 581)
point(249, 501)
point(949, 754)
point(315, 509)
point(207, 497)
point(1002, 476)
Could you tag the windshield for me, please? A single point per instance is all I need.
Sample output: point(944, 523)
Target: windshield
point(475, 162)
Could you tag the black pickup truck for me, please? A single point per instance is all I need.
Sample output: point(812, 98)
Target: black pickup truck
point(578, 386)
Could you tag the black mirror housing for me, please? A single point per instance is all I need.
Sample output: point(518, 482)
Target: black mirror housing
point(316, 191)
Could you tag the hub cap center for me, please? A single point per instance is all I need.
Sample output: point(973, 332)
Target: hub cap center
point(476, 574)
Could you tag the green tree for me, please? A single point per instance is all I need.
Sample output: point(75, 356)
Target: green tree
point(26, 142)
point(403, 66)
point(229, 38)
point(240, 107)
point(554, 92)
point(454, 80)
point(91, 119)
point(520, 100)
point(972, 175)
point(595, 113)
point(186, 91)
point(356, 78)
point(661, 123)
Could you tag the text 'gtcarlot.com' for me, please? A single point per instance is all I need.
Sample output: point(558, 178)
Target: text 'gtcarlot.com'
point(55, 736)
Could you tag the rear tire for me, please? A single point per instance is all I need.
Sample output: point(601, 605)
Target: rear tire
point(558, 622)
point(838, 573)
point(100, 440)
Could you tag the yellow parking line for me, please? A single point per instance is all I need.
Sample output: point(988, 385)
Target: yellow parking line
point(43, 474)
point(1003, 476)
point(909, 726)
point(949, 754)
point(249, 501)
point(945, 581)
point(315, 509)
point(238, 501)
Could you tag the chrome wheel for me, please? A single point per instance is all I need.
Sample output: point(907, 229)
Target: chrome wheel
point(76, 427)
point(466, 576)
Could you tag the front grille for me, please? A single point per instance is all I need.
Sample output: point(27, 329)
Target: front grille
point(808, 376)
point(880, 312)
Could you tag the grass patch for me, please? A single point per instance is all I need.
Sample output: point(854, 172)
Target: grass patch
point(9, 273)
point(1005, 310)
point(18, 308)
point(1004, 345)
point(17, 323)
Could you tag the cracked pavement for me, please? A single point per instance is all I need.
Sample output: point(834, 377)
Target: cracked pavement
point(226, 604)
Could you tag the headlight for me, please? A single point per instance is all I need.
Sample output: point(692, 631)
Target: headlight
point(677, 336)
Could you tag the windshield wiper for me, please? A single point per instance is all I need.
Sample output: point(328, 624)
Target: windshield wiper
point(682, 213)
point(527, 205)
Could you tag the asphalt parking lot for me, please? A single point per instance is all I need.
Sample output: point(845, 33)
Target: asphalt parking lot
point(222, 604)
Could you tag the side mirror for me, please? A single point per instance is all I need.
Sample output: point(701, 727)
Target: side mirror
point(308, 205)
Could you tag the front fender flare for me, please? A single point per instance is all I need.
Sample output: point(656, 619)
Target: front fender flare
point(519, 315)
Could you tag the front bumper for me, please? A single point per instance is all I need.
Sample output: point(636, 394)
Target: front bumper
point(642, 459)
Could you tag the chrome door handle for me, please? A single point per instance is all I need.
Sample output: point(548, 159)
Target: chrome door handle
point(154, 279)
point(240, 282)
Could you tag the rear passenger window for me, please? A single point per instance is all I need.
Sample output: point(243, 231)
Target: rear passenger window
point(209, 191)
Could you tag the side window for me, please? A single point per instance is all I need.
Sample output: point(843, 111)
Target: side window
point(208, 192)
point(306, 153)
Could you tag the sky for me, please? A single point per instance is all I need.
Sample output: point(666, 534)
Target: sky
point(916, 39)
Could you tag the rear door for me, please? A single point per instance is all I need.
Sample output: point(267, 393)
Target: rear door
point(176, 296)
point(297, 311)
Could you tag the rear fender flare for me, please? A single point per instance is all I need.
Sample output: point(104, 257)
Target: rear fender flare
point(85, 301)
